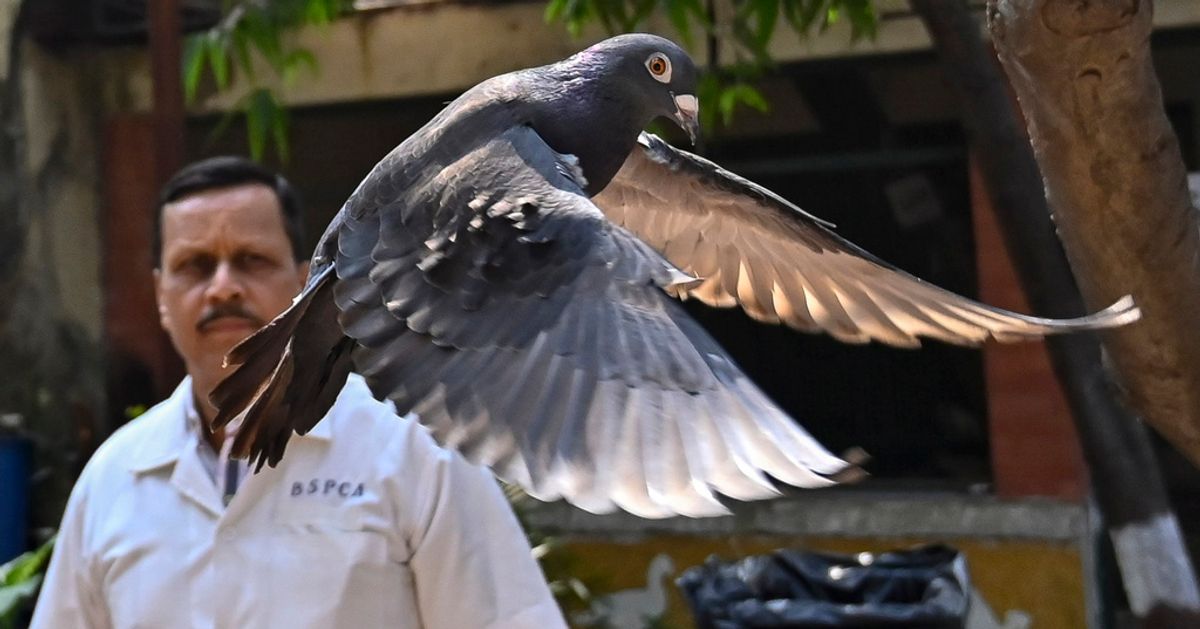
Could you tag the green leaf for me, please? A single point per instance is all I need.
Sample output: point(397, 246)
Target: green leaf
point(218, 59)
point(726, 103)
point(678, 13)
point(263, 34)
point(708, 92)
point(280, 122)
point(802, 14)
point(555, 9)
point(267, 120)
point(573, 13)
point(241, 46)
point(295, 62)
point(864, 20)
point(26, 565)
point(19, 581)
point(750, 96)
point(833, 13)
point(683, 14)
point(767, 17)
point(255, 28)
point(753, 25)
point(258, 113)
point(318, 12)
point(193, 65)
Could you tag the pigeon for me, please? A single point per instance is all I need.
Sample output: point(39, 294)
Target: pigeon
point(511, 273)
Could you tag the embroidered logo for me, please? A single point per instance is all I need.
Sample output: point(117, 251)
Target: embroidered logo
point(326, 487)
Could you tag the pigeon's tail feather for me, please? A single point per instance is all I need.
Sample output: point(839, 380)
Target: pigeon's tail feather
point(268, 392)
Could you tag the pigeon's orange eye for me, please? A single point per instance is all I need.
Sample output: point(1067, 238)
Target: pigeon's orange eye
point(659, 67)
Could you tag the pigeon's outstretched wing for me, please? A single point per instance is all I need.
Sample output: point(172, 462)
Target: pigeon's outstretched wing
point(490, 296)
point(754, 249)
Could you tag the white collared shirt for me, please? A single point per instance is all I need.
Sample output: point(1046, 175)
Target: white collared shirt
point(218, 464)
point(365, 523)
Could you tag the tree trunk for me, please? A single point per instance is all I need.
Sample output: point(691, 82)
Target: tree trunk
point(1126, 483)
point(1117, 186)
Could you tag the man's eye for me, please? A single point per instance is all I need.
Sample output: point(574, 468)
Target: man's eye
point(194, 266)
point(254, 261)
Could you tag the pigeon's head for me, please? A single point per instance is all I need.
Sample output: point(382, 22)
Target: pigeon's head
point(655, 75)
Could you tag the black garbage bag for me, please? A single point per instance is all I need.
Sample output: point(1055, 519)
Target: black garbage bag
point(921, 587)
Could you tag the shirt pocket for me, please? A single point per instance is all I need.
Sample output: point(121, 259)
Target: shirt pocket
point(334, 570)
point(315, 517)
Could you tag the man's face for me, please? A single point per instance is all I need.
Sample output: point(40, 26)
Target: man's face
point(226, 269)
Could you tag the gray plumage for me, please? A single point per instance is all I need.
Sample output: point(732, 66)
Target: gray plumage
point(509, 271)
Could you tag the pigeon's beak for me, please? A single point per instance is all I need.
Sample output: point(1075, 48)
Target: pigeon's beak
point(687, 110)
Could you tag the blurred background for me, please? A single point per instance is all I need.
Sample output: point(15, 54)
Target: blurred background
point(852, 120)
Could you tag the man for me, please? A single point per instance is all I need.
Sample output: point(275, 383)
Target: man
point(365, 523)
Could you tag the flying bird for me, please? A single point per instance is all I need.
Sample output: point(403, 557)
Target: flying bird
point(510, 273)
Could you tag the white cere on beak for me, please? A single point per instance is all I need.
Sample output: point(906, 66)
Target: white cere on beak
point(687, 105)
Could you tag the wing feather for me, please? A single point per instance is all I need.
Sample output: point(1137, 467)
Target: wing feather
point(738, 238)
point(494, 300)
point(571, 369)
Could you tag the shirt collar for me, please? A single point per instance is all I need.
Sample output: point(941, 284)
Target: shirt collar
point(161, 447)
point(181, 429)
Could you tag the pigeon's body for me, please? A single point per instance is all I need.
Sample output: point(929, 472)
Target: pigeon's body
point(507, 272)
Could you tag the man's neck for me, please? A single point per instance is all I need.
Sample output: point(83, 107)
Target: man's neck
point(207, 412)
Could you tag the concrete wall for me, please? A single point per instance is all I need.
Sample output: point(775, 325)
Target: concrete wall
point(61, 143)
point(441, 47)
point(1030, 562)
point(50, 319)
point(8, 13)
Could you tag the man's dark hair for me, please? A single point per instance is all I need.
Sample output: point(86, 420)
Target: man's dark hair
point(225, 171)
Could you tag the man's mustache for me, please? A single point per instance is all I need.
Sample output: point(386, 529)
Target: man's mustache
point(225, 310)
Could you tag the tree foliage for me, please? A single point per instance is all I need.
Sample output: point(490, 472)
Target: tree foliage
point(752, 25)
point(748, 28)
point(250, 35)
point(19, 582)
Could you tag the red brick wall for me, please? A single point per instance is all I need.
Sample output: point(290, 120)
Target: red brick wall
point(1035, 451)
point(142, 367)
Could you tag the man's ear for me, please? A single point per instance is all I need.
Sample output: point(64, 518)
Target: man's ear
point(163, 319)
